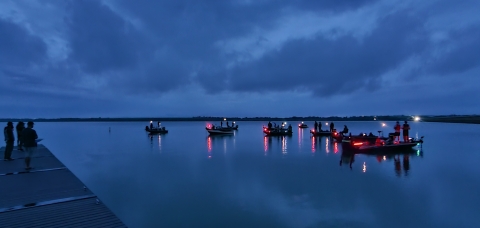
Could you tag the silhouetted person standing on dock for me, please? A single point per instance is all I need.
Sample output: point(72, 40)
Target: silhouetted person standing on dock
point(20, 126)
point(29, 141)
point(9, 141)
point(405, 128)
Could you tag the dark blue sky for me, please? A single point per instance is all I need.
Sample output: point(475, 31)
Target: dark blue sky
point(183, 58)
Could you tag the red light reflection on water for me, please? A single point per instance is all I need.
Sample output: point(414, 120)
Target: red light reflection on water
point(335, 147)
point(209, 144)
point(265, 144)
point(313, 144)
point(300, 137)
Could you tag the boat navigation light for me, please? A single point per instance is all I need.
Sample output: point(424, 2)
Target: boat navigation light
point(417, 118)
point(151, 121)
point(383, 125)
point(302, 122)
point(224, 119)
point(326, 123)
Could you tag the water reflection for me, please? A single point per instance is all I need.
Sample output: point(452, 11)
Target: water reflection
point(282, 142)
point(314, 141)
point(347, 158)
point(158, 138)
point(327, 148)
point(300, 137)
point(401, 160)
point(284, 145)
point(217, 141)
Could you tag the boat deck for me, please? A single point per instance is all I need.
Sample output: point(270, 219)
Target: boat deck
point(49, 195)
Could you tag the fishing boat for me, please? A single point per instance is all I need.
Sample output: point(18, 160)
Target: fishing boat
point(277, 131)
point(156, 130)
point(221, 127)
point(320, 133)
point(219, 131)
point(381, 145)
point(302, 125)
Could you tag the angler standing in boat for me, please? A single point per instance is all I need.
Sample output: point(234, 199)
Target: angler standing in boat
point(151, 125)
point(397, 131)
point(269, 125)
point(315, 125)
point(331, 127)
point(405, 128)
point(345, 130)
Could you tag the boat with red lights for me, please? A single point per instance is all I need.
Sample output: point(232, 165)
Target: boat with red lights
point(381, 145)
point(302, 125)
point(277, 131)
point(227, 128)
point(215, 131)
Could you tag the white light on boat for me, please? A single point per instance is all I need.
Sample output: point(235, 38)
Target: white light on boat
point(417, 118)
point(383, 125)
point(151, 121)
point(326, 123)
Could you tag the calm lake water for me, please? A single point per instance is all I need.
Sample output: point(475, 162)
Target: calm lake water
point(187, 179)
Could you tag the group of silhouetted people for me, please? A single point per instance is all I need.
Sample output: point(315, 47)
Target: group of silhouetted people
point(26, 141)
point(278, 127)
point(405, 129)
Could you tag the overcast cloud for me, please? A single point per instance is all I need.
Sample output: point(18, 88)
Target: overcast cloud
point(184, 58)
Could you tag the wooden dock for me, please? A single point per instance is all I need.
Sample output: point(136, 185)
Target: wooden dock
point(49, 195)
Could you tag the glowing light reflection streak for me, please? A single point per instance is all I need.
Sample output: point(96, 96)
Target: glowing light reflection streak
point(327, 149)
point(313, 144)
point(265, 144)
point(160, 143)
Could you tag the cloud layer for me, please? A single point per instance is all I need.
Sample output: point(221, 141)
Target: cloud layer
point(238, 58)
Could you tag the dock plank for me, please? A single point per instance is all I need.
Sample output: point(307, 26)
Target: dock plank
point(48, 196)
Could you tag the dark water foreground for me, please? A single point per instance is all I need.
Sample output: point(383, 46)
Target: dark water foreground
point(187, 179)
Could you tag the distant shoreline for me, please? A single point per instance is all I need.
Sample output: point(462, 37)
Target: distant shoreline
point(471, 119)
